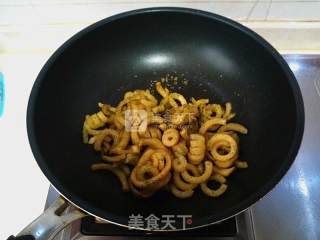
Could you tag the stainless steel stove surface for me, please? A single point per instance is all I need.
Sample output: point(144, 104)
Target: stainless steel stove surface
point(290, 211)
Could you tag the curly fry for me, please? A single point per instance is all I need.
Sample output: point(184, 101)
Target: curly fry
point(218, 178)
point(180, 149)
point(85, 134)
point(151, 142)
point(227, 111)
point(179, 193)
point(213, 193)
point(152, 180)
point(125, 169)
point(164, 93)
point(135, 137)
point(218, 140)
point(234, 135)
point(233, 127)
point(178, 97)
point(170, 137)
point(155, 132)
point(116, 158)
point(217, 110)
point(157, 160)
point(107, 109)
point(145, 156)
point(144, 193)
point(197, 148)
point(159, 108)
point(184, 134)
point(132, 159)
point(146, 170)
point(100, 137)
point(123, 142)
point(179, 164)
point(161, 183)
point(210, 123)
point(198, 179)
point(96, 120)
point(199, 101)
point(223, 171)
point(145, 134)
point(161, 164)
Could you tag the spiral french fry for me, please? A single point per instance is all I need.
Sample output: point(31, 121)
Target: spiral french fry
point(197, 149)
point(210, 123)
point(213, 193)
point(233, 127)
point(223, 171)
point(151, 142)
point(179, 163)
point(180, 148)
point(176, 97)
point(217, 177)
point(228, 110)
point(153, 180)
point(222, 140)
point(155, 132)
point(180, 193)
point(96, 120)
point(170, 137)
point(106, 132)
point(198, 179)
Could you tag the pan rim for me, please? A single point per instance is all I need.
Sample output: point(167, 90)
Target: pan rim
point(200, 222)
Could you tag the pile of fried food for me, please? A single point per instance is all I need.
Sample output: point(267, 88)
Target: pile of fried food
point(169, 144)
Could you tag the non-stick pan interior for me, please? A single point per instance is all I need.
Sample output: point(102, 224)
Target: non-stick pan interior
point(219, 59)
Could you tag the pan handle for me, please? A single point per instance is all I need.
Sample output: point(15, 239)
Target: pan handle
point(50, 223)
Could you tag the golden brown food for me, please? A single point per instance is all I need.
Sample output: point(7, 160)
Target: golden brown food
point(222, 147)
point(180, 148)
point(180, 193)
point(197, 149)
point(198, 179)
point(168, 143)
point(179, 164)
point(170, 137)
point(213, 193)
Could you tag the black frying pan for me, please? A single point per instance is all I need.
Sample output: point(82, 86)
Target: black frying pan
point(222, 60)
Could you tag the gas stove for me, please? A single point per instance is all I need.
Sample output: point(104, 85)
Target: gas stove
point(290, 211)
